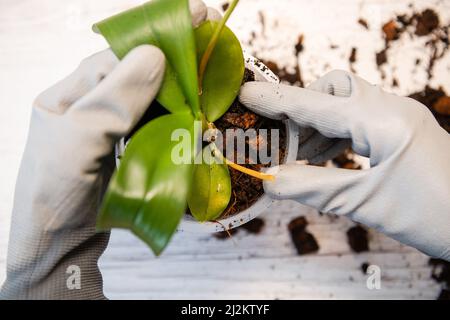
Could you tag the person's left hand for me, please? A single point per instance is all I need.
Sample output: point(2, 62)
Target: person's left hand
point(67, 163)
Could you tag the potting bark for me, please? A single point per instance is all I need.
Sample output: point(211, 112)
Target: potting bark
point(246, 190)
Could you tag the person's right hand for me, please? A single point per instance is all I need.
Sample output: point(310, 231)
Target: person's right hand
point(406, 192)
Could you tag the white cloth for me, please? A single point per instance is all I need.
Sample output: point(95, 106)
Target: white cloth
point(406, 192)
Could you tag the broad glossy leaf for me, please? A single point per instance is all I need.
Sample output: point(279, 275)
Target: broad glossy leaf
point(167, 25)
point(211, 188)
point(148, 192)
point(224, 73)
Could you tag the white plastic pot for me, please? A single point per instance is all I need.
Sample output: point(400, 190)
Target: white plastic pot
point(188, 223)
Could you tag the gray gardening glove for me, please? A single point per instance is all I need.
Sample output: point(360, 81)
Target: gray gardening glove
point(68, 161)
point(65, 169)
point(406, 192)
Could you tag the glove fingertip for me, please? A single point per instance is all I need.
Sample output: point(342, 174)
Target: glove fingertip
point(198, 11)
point(147, 58)
point(213, 15)
point(262, 98)
point(251, 88)
point(148, 52)
point(271, 186)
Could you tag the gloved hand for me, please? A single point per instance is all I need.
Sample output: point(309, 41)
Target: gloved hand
point(67, 163)
point(406, 192)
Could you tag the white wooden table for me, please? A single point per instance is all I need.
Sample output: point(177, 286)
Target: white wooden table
point(42, 41)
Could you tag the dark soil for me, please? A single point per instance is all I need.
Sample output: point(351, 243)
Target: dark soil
point(363, 23)
point(299, 46)
point(426, 22)
point(254, 226)
point(417, 24)
point(358, 239)
point(394, 82)
point(304, 241)
point(390, 31)
point(441, 274)
point(246, 190)
point(298, 224)
point(225, 6)
point(438, 102)
point(440, 271)
point(381, 57)
point(345, 161)
point(285, 76)
point(365, 267)
point(224, 235)
point(352, 59)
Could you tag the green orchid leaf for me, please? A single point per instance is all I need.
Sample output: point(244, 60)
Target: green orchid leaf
point(224, 72)
point(166, 24)
point(211, 188)
point(148, 193)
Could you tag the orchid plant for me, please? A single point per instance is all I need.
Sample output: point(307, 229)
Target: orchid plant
point(149, 192)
